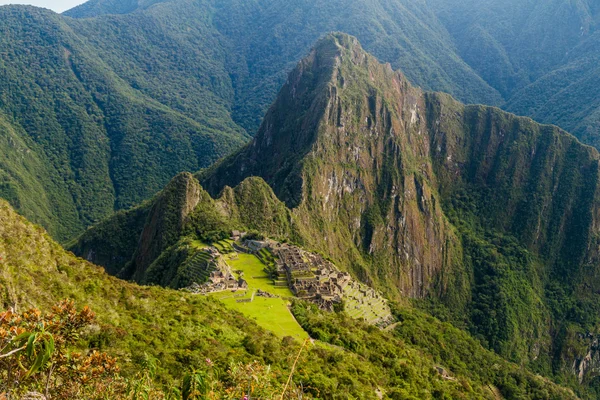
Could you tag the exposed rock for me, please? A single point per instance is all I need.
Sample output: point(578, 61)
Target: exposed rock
point(587, 364)
point(268, 295)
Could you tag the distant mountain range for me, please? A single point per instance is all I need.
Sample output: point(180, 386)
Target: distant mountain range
point(113, 98)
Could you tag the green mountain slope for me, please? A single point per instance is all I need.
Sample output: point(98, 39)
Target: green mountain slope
point(182, 330)
point(262, 40)
point(525, 55)
point(101, 143)
point(129, 243)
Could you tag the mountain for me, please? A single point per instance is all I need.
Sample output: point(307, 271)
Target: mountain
point(142, 90)
point(261, 41)
point(534, 58)
point(488, 220)
point(134, 98)
point(183, 330)
point(542, 56)
point(128, 243)
point(467, 205)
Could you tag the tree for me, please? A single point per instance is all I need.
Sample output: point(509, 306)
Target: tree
point(36, 356)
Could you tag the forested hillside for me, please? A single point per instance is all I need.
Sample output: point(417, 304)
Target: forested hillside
point(262, 40)
point(542, 56)
point(536, 58)
point(118, 104)
point(88, 141)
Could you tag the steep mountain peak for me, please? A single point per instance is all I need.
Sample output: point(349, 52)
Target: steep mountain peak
point(346, 144)
point(338, 44)
point(340, 53)
point(166, 220)
point(337, 75)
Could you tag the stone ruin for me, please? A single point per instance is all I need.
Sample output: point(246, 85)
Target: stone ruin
point(313, 278)
point(310, 276)
point(237, 235)
point(262, 293)
point(219, 281)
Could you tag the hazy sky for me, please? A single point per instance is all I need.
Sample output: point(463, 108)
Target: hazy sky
point(56, 5)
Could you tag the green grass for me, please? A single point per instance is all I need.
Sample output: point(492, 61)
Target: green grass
point(224, 246)
point(255, 275)
point(199, 244)
point(219, 247)
point(271, 314)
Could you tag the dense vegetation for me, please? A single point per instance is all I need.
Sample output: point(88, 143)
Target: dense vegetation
point(39, 358)
point(150, 243)
point(77, 139)
point(479, 51)
point(190, 333)
point(447, 346)
point(546, 73)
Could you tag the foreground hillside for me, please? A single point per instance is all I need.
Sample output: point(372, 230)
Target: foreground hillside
point(182, 330)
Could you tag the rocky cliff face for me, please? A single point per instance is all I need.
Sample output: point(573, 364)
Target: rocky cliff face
point(536, 182)
point(586, 358)
point(347, 146)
